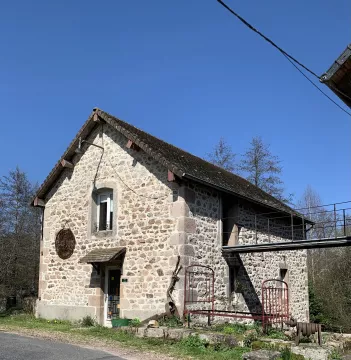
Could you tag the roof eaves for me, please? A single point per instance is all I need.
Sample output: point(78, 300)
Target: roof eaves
point(338, 63)
point(68, 154)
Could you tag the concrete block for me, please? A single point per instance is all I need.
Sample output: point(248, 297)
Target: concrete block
point(155, 332)
point(46, 233)
point(95, 300)
point(186, 224)
point(179, 209)
point(178, 238)
point(64, 312)
point(177, 334)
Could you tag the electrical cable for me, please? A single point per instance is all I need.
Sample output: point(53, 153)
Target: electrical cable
point(317, 87)
point(289, 57)
point(267, 39)
point(131, 189)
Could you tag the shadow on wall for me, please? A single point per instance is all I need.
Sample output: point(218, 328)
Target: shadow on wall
point(242, 288)
point(244, 222)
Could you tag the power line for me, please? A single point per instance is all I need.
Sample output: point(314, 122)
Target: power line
point(317, 87)
point(289, 57)
point(267, 39)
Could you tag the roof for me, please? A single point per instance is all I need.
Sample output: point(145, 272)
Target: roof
point(180, 162)
point(103, 255)
point(338, 76)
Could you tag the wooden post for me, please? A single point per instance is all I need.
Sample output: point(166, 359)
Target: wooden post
point(170, 176)
point(319, 334)
point(67, 164)
point(39, 202)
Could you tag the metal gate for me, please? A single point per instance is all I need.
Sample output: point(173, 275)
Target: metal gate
point(199, 298)
point(275, 302)
point(199, 291)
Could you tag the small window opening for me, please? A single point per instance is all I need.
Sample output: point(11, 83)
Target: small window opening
point(283, 274)
point(105, 211)
point(234, 284)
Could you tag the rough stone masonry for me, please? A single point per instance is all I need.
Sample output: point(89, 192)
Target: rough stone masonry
point(155, 220)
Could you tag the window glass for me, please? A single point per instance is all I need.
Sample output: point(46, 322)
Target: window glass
point(105, 211)
point(103, 216)
point(111, 211)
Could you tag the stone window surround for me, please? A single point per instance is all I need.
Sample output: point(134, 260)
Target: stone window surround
point(110, 184)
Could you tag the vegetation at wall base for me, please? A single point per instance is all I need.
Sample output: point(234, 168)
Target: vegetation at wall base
point(192, 346)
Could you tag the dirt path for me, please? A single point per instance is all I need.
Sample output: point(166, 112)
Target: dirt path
point(109, 346)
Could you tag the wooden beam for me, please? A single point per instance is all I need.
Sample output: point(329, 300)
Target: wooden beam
point(66, 164)
point(170, 176)
point(39, 202)
point(131, 145)
point(97, 119)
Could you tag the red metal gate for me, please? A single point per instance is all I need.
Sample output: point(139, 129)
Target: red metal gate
point(275, 302)
point(199, 298)
point(199, 290)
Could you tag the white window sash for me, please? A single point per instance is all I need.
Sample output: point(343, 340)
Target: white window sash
point(109, 200)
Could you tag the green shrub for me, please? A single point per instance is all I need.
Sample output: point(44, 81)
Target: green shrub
point(234, 328)
point(249, 338)
point(335, 355)
point(193, 342)
point(276, 334)
point(135, 322)
point(171, 322)
point(286, 354)
point(87, 321)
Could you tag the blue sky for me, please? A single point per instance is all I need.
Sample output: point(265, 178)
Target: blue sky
point(186, 71)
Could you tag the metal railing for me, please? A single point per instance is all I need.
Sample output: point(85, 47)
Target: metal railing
point(332, 221)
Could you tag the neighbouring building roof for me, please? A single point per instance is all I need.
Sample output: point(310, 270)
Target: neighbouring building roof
point(338, 77)
point(181, 163)
point(103, 255)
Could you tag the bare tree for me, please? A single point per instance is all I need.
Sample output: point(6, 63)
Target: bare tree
point(222, 156)
point(19, 236)
point(263, 169)
point(311, 206)
point(329, 281)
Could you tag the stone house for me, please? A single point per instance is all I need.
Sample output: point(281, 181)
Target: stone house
point(121, 205)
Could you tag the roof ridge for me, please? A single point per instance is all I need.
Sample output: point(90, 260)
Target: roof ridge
point(178, 148)
point(181, 162)
point(216, 168)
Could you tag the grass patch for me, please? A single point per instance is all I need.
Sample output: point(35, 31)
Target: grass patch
point(276, 334)
point(172, 322)
point(193, 346)
point(286, 354)
point(87, 321)
point(30, 322)
point(232, 329)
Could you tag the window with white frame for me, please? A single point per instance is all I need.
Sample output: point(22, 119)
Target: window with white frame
point(104, 212)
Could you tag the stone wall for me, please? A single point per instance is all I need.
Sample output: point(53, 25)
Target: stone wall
point(143, 224)
point(156, 221)
point(250, 269)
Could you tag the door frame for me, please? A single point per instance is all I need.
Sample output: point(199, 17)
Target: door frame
point(106, 321)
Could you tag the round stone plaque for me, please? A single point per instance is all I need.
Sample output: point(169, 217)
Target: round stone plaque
point(65, 243)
